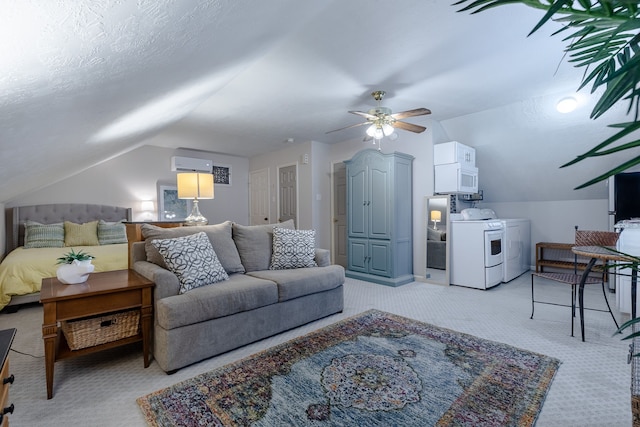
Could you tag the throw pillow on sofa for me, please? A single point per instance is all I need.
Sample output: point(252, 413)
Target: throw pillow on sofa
point(255, 243)
point(192, 259)
point(219, 235)
point(293, 249)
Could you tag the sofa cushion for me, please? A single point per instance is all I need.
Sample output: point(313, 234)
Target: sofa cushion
point(192, 259)
point(219, 235)
point(303, 281)
point(239, 293)
point(293, 249)
point(254, 243)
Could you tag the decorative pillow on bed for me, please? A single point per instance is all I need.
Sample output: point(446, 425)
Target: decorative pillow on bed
point(38, 235)
point(81, 234)
point(192, 259)
point(111, 233)
point(293, 249)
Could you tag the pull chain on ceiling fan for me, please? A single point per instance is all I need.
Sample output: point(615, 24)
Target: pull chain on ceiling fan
point(382, 122)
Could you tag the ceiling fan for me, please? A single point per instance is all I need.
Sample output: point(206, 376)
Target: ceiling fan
point(382, 122)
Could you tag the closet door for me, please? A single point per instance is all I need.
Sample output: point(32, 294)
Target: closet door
point(357, 207)
point(379, 175)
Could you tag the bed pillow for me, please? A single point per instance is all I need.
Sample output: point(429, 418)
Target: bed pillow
point(293, 249)
point(255, 243)
point(111, 233)
point(81, 234)
point(38, 235)
point(219, 235)
point(192, 259)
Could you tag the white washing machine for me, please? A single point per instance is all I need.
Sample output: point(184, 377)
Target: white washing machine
point(516, 248)
point(476, 252)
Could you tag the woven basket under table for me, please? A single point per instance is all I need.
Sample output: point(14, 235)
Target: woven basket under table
point(92, 331)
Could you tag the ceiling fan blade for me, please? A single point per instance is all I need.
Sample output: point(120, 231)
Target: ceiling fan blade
point(365, 115)
point(408, 126)
point(411, 113)
point(348, 127)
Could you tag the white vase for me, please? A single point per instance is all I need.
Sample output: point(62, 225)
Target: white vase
point(74, 273)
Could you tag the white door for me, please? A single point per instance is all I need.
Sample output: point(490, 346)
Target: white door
point(288, 192)
point(259, 196)
point(340, 214)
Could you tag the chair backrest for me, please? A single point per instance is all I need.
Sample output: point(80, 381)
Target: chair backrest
point(596, 238)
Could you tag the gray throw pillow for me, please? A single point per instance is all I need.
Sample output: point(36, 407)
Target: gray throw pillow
point(111, 233)
point(255, 243)
point(293, 249)
point(219, 235)
point(38, 235)
point(192, 259)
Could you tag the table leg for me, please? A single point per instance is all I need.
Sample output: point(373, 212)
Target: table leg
point(146, 324)
point(583, 279)
point(50, 337)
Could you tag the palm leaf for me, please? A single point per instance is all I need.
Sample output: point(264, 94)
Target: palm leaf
point(604, 40)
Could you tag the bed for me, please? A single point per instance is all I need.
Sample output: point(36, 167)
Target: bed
point(22, 269)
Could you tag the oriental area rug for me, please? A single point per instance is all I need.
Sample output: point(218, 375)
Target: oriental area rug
point(374, 369)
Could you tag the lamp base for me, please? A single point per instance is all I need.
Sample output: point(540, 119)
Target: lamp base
point(195, 218)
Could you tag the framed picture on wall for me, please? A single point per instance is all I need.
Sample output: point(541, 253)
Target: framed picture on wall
point(222, 174)
point(170, 207)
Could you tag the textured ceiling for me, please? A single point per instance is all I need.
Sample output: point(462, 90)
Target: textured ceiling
point(83, 81)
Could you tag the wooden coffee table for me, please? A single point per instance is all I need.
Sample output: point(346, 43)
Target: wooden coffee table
point(101, 294)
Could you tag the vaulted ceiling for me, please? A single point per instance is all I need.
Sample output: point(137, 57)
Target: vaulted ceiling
point(83, 81)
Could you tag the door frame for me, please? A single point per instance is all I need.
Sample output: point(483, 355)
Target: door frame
point(286, 165)
point(333, 207)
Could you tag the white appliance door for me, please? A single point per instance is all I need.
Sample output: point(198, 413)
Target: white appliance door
point(493, 247)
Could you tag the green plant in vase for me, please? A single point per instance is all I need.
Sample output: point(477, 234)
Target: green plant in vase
point(75, 267)
point(72, 256)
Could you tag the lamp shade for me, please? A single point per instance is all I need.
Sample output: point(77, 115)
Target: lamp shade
point(146, 205)
point(194, 185)
point(436, 215)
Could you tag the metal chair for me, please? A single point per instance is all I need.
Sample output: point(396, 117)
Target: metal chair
point(599, 276)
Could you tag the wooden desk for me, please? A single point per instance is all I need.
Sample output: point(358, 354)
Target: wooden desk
point(606, 254)
point(102, 293)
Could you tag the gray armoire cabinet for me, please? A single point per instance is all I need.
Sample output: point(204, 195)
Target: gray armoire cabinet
point(379, 217)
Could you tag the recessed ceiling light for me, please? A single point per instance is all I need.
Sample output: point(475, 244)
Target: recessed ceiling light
point(566, 105)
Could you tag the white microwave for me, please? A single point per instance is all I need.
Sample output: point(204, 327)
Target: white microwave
point(456, 178)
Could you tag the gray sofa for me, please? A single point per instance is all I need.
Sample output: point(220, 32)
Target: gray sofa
point(254, 303)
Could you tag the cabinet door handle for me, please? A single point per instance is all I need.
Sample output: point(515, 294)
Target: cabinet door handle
point(9, 380)
point(8, 409)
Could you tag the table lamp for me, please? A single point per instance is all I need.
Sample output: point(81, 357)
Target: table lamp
point(436, 216)
point(193, 185)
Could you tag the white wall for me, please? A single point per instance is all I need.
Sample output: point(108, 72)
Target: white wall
point(554, 221)
point(3, 232)
point(128, 179)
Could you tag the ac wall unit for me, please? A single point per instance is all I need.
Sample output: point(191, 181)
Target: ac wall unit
point(189, 164)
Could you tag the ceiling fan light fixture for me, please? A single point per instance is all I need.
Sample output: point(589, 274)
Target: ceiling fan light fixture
point(566, 105)
point(387, 129)
point(371, 130)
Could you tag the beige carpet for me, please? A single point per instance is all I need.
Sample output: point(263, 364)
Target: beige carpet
point(591, 387)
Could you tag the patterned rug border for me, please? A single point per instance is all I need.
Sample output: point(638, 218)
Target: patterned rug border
point(294, 352)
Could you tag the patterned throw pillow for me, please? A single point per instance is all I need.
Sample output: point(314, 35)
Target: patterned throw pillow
point(192, 259)
point(111, 233)
point(293, 249)
point(81, 234)
point(38, 235)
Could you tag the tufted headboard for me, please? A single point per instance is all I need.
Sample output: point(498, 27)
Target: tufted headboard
point(49, 214)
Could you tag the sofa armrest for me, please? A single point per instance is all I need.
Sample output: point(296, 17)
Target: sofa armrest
point(167, 283)
point(323, 257)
